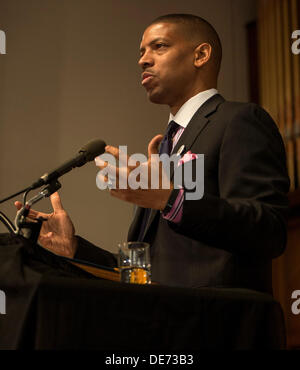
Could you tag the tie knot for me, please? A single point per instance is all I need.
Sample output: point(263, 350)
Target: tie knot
point(172, 128)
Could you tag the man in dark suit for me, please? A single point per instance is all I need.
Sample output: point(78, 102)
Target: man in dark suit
point(229, 236)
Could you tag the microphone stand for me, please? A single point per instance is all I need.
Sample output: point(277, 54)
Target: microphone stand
point(30, 230)
point(6, 221)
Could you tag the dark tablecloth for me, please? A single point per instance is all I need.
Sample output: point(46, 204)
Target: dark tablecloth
point(50, 304)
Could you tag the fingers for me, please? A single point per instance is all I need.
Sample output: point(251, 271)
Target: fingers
point(103, 162)
point(102, 181)
point(56, 202)
point(18, 205)
point(112, 150)
point(32, 213)
point(113, 179)
point(112, 170)
point(153, 145)
point(120, 155)
point(100, 163)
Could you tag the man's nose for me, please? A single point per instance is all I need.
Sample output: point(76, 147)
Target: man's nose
point(146, 61)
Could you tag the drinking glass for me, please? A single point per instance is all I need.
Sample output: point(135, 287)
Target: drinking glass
point(134, 262)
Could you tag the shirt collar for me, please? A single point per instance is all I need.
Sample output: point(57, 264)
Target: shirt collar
point(189, 108)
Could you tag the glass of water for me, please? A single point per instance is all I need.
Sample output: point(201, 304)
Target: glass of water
point(134, 262)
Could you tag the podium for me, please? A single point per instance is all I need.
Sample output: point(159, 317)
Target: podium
point(53, 304)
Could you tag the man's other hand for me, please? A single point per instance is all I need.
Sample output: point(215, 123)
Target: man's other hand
point(147, 197)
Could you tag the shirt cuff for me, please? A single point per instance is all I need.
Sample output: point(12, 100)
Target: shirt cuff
point(175, 213)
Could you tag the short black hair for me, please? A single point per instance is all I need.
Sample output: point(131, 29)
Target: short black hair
point(197, 29)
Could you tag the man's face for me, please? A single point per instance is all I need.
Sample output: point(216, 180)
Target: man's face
point(167, 60)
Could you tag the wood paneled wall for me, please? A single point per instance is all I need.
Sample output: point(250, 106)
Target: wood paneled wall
point(280, 74)
point(279, 78)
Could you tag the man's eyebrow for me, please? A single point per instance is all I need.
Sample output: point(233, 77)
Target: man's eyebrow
point(153, 42)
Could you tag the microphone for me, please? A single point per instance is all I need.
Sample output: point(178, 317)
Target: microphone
point(86, 154)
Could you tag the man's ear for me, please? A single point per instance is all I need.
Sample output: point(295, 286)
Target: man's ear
point(202, 54)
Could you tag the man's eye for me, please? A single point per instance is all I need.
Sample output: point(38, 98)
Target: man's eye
point(160, 45)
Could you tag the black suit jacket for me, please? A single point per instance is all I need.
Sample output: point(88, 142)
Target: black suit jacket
point(229, 237)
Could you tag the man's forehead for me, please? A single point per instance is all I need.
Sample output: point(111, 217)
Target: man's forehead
point(160, 30)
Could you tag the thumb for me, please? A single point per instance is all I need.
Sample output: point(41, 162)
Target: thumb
point(56, 202)
point(153, 145)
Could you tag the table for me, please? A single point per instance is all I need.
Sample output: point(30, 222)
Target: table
point(51, 304)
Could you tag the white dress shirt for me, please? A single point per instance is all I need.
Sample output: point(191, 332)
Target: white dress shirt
point(190, 107)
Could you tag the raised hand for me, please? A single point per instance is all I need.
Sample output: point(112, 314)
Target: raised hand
point(57, 233)
point(155, 198)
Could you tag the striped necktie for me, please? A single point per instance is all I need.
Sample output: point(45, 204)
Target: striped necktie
point(167, 141)
point(165, 148)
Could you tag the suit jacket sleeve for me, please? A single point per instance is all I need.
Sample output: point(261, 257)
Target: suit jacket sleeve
point(89, 252)
point(249, 215)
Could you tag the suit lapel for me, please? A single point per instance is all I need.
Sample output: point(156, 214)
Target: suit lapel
point(189, 135)
point(197, 124)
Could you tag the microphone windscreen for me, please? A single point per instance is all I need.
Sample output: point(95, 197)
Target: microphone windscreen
point(93, 148)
